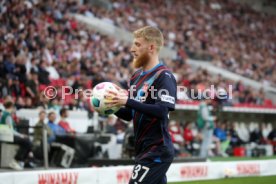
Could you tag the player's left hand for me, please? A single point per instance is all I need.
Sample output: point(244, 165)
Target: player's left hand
point(116, 98)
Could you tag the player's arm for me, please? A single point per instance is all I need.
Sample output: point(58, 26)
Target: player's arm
point(166, 90)
point(165, 85)
point(124, 113)
point(154, 110)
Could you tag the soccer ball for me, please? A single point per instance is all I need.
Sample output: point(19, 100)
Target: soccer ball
point(98, 100)
point(229, 172)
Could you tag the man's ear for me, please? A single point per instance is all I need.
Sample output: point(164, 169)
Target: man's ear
point(151, 47)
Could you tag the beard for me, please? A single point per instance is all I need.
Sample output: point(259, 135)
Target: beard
point(142, 60)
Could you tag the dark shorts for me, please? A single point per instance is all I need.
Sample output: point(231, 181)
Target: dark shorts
point(150, 173)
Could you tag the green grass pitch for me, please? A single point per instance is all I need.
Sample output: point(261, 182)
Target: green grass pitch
point(244, 180)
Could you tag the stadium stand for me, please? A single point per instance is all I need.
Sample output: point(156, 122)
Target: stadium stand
point(76, 53)
point(232, 35)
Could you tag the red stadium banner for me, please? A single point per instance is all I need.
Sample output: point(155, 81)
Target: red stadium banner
point(120, 175)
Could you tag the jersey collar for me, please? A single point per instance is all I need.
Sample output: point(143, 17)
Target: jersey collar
point(150, 70)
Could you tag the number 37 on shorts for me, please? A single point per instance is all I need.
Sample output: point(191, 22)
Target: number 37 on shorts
point(139, 173)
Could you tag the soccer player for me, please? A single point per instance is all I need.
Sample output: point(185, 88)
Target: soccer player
point(151, 97)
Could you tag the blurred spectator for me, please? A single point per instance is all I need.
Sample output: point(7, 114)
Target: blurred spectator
point(64, 123)
point(243, 132)
point(43, 76)
point(272, 139)
point(188, 138)
point(55, 104)
point(120, 136)
point(110, 125)
point(255, 133)
point(232, 131)
point(176, 136)
point(188, 134)
point(32, 86)
point(24, 154)
point(56, 129)
point(206, 125)
point(266, 129)
point(15, 88)
point(38, 134)
point(272, 135)
point(220, 132)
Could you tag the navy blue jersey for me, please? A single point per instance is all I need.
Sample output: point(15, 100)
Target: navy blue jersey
point(152, 139)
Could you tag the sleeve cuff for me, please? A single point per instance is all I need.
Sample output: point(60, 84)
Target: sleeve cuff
point(130, 102)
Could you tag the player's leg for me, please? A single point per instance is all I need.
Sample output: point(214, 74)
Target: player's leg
point(149, 173)
point(206, 141)
point(163, 180)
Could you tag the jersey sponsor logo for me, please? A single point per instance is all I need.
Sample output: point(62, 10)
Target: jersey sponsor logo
point(248, 169)
point(167, 98)
point(168, 74)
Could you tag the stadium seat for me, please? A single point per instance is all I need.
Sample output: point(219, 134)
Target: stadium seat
point(61, 155)
point(239, 152)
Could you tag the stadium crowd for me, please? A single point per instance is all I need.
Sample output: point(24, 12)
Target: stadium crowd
point(232, 35)
point(228, 139)
point(42, 45)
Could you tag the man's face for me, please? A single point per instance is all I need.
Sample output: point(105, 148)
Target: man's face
point(42, 116)
point(140, 52)
point(52, 117)
point(34, 76)
point(66, 114)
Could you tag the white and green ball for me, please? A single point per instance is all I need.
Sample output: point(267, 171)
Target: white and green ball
point(98, 99)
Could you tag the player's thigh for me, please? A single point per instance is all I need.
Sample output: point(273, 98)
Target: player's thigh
point(163, 180)
point(150, 173)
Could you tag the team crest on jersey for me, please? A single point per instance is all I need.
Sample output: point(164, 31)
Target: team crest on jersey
point(142, 93)
point(145, 87)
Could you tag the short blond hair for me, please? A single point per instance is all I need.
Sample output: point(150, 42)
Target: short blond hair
point(150, 34)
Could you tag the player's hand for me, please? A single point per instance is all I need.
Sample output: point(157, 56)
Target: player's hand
point(116, 98)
